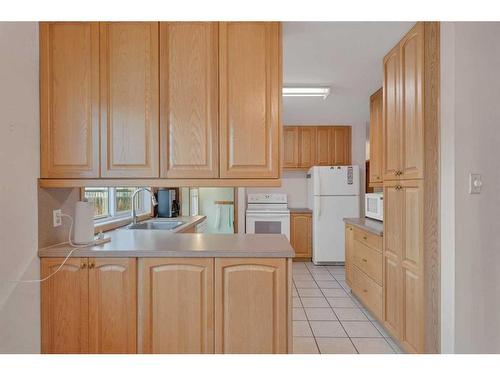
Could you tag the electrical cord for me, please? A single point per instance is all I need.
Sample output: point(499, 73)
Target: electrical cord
point(75, 247)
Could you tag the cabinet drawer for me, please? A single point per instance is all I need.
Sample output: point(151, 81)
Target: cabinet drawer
point(368, 260)
point(369, 239)
point(368, 291)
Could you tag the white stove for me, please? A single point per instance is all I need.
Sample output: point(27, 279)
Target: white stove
point(268, 214)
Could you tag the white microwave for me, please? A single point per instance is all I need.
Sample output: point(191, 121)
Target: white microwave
point(374, 206)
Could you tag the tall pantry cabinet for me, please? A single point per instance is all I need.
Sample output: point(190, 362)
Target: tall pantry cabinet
point(410, 173)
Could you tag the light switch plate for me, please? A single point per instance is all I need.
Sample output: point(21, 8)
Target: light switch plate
point(475, 183)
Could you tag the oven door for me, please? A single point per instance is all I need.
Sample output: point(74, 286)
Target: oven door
point(268, 223)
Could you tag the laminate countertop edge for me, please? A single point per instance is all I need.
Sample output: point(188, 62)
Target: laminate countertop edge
point(373, 226)
point(141, 243)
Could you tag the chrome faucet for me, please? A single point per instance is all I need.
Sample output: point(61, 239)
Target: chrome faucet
point(134, 211)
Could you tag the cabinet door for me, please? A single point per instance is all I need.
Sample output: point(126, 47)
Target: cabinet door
point(412, 267)
point(250, 305)
point(176, 304)
point(189, 99)
point(341, 143)
point(290, 147)
point(129, 99)
point(250, 99)
point(375, 178)
point(349, 240)
point(69, 99)
point(412, 120)
point(324, 146)
point(392, 254)
point(392, 132)
point(307, 146)
point(65, 306)
point(300, 234)
point(112, 305)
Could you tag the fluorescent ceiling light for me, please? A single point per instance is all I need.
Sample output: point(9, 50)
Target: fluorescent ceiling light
point(322, 92)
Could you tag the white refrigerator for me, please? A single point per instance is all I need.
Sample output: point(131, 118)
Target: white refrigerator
point(333, 194)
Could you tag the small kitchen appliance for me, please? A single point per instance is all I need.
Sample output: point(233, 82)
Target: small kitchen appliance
point(374, 206)
point(167, 204)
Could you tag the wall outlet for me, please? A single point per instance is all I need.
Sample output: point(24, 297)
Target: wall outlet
point(57, 219)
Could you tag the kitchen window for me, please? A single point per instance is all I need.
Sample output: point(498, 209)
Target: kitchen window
point(113, 205)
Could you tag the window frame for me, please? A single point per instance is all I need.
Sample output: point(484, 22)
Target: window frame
point(116, 219)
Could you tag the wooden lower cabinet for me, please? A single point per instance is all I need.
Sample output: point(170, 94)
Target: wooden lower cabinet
point(349, 238)
point(88, 306)
point(166, 305)
point(176, 304)
point(65, 306)
point(251, 305)
point(301, 234)
point(403, 263)
point(112, 305)
point(364, 267)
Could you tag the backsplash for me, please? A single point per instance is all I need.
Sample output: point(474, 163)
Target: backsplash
point(53, 199)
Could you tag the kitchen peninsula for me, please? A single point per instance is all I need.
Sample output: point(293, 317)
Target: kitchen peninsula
point(155, 291)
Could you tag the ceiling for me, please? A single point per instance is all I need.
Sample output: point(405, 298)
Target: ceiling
point(347, 56)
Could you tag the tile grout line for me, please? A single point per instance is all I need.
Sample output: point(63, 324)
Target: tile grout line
point(307, 318)
point(350, 339)
point(361, 307)
point(338, 319)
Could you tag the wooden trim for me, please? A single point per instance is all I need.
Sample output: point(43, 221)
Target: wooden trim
point(432, 246)
point(48, 183)
point(235, 210)
point(289, 326)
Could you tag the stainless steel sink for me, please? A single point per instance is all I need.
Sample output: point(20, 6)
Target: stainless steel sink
point(157, 225)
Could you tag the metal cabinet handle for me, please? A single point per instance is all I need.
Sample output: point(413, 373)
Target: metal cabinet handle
point(83, 265)
point(91, 265)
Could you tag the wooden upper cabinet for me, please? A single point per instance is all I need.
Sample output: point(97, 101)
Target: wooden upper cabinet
point(317, 145)
point(189, 99)
point(112, 305)
point(290, 147)
point(376, 177)
point(129, 99)
point(307, 146)
point(324, 145)
point(301, 234)
point(392, 132)
point(250, 305)
point(250, 99)
point(176, 304)
point(65, 306)
point(341, 142)
point(69, 99)
point(412, 110)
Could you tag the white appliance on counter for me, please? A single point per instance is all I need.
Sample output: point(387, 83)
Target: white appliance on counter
point(333, 194)
point(374, 206)
point(268, 213)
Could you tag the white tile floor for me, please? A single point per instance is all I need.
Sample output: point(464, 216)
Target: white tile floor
point(328, 319)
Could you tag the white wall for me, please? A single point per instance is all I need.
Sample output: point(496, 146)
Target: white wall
point(471, 114)
point(19, 168)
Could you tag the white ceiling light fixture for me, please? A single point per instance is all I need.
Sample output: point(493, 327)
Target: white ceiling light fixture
point(317, 91)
